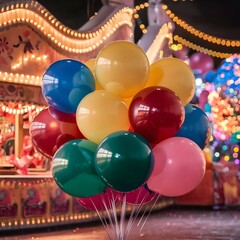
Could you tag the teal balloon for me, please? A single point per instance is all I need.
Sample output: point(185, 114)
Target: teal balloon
point(73, 169)
point(124, 160)
point(235, 138)
point(196, 126)
point(207, 108)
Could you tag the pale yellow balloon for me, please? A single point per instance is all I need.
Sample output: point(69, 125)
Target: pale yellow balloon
point(90, 64)
point(174, 74)
point(101, 113)
point(122, 68)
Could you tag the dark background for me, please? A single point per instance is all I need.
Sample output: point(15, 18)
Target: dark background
point(220, 18)
point(215, 17)
point(72, 13)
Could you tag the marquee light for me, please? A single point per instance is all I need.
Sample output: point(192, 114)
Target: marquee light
point(154, 49)
point(21, 109)
point(20, 78)
point(64, 38)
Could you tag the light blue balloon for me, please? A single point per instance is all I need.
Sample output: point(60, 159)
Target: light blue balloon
point(209, 76)
point(65, 83)
point(196, 126)
point(207, 108)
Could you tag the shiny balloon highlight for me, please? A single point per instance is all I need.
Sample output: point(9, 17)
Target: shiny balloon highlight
point(156, 113)
point(124, 160)
point(73, 169)
point(179, 167)
point(50, 129)
point(122, 68)
point(65, 83)
point(174, 74)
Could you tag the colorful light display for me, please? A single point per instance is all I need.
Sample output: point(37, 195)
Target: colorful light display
point(225, 108)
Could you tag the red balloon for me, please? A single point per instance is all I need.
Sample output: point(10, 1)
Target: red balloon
point(140, 196)
point(156, 113)
point(97, 202)
point(51, 128)
point(63, 139)
point(62, 116)
point(201, 62)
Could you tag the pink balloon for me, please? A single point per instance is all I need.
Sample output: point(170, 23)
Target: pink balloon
point(203, 99)
point(140, 196)
point(97, 201)
point(201, 62)
point(179, 167)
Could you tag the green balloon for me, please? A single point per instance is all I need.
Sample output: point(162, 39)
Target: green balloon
point(73, 169)
point(124, 160)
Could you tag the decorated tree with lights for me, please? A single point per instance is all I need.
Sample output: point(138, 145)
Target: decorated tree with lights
point(225, 108)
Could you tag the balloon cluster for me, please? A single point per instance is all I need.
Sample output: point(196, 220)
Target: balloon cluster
point(119, 127)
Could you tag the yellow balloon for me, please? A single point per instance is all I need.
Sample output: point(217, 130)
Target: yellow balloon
point(101, 113)
point(128, 101)
point(208, 157)
point(90, 64)
point(122, 68)
point(174, 74)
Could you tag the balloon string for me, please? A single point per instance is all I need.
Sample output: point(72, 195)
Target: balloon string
point(149, 212)
point(146, 209)
point(108, 223)
point(136, 210)
point(133, 211)
point(136, 215)
point(104, 224)
point(115, 218)
point(110, 218)
point(122, 217)
point(118, 227)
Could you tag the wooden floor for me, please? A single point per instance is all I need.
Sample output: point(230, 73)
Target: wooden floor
point(168, 224)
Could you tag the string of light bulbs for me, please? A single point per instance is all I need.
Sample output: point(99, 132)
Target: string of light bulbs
point(21, 109)
point(192, 30)
point(198, 48)
point(137, 18)
point(198, 33)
